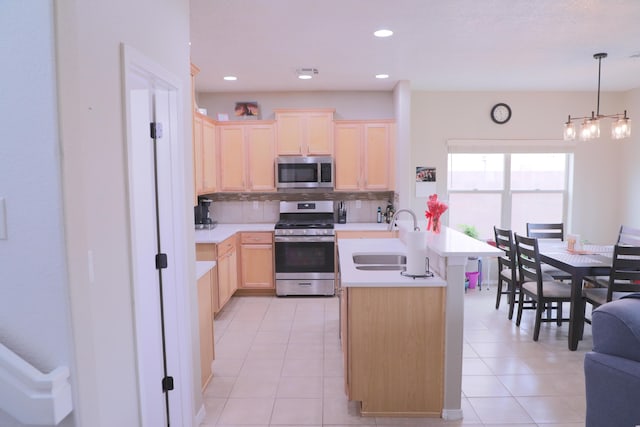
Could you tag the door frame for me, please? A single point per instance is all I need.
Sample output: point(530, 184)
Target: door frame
point(177, 297)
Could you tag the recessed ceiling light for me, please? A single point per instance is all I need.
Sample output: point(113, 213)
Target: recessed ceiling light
point(230, 78)
point(306, 73)
point(383, 33)
point(382, 76)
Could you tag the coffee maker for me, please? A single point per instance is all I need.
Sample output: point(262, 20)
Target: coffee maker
point(201, 213)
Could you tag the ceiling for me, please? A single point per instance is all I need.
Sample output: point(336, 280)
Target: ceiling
point(447, 45)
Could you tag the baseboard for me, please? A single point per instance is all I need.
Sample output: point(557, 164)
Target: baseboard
point(200, 415)
point(452, 414)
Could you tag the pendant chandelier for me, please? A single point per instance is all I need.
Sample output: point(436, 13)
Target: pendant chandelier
point(590, 126)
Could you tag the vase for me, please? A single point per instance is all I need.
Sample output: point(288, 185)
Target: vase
point(434, 224)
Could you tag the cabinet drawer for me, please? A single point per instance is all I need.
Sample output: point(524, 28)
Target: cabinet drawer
point(226, 245)
point(206, 252)
point(256, 237)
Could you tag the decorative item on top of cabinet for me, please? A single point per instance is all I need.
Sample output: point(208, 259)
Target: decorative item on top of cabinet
point(304, 132)
point(246, 156)
point(256, 260)
point(364, 155)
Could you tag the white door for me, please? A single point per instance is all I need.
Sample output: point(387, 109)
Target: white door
point(155, 188)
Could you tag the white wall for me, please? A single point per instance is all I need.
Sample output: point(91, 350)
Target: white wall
point(34, 306)
point(630, 179)
point(356, 105)
point(89, 35)
point(598, 202)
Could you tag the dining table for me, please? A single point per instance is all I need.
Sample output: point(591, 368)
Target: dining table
point(590, 260)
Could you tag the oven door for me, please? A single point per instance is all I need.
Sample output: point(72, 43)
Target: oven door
point(303, 256)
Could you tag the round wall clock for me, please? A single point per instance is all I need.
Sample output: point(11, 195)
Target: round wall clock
point(501, 113)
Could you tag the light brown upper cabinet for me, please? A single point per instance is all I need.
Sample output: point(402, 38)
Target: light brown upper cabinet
point(246, 156)
point(304, 132)
point(364, 155)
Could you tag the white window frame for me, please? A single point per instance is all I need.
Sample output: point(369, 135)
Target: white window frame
point(507, 148)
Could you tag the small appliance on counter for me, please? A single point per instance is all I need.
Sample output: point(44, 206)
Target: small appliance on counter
point(342, 213)
point(203, 219)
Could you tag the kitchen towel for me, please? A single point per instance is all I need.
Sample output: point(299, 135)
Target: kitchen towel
point(416, 253)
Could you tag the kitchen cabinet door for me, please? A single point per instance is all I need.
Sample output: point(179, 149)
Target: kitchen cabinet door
point(198, 166)
point(348, 137)
point(260, 167)
point(364, 155)
point(232, 157)
point(209, 158)
point(304, 132)
point(376, 154)
point(256, 260)
point(205, 323)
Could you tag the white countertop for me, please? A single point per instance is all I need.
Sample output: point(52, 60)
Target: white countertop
point(362, 226)
point(224, 231)
point(450, 242)
point(351, 277)
point(202, 267)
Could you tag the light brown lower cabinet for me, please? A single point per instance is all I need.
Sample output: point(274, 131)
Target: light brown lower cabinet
point(205, 323)
point(226, 282)
point(256, 260)
point(394, 349)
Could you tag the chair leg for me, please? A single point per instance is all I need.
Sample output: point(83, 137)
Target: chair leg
point(512, 299)
point(559, 314)
point(520, 303)
point(499, 293)
point(536, 330)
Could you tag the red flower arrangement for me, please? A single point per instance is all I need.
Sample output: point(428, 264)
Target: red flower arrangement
point(435, 208)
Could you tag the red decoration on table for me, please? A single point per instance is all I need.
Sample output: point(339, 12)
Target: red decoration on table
point(435, 208)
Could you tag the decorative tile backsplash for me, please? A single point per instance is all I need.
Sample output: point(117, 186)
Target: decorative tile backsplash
point(227, 209)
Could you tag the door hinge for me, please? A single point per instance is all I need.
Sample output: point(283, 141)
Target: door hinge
point(161, 261)
point(155, 130)
point(167, 384)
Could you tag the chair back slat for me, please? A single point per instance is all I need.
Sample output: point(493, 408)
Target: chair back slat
point(629, 236)
point(625, 270)
point(529, 260)
point(504, 241)
point(545, 231)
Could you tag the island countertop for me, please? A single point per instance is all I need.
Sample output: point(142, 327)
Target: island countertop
point(351, 277)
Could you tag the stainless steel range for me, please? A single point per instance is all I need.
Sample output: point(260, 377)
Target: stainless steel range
point(304, 248)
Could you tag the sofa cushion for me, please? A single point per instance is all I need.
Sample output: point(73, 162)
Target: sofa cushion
point(616, 328)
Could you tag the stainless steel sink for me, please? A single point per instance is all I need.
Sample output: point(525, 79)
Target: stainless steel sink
point(379, 259)
point(381, 267)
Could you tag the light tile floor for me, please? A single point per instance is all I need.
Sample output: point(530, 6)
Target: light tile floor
point(279, 363)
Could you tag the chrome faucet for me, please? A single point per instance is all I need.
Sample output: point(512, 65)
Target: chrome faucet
point(415, 220)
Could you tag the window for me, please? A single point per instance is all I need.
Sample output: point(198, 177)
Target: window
point(507, 189)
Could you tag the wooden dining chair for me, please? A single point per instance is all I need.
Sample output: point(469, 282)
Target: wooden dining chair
point(542, 289)
point(508, 274)
point(623, 279)
point(551, 231)
point(628, 236)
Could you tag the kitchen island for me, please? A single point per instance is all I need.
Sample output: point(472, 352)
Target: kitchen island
point(402, 337)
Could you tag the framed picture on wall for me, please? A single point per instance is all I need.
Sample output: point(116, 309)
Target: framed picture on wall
point(247, 110)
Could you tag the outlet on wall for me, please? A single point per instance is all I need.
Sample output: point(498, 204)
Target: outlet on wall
point(358, 204)
point(256, 205)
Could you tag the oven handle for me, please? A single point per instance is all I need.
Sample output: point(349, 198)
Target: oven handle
point(298, 239)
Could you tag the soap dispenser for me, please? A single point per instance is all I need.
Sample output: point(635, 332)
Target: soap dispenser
point(379, 215)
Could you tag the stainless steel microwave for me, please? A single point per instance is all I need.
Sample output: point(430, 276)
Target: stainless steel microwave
point(304, 172)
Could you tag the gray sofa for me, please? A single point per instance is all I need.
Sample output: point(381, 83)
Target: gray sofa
point(612, 369)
